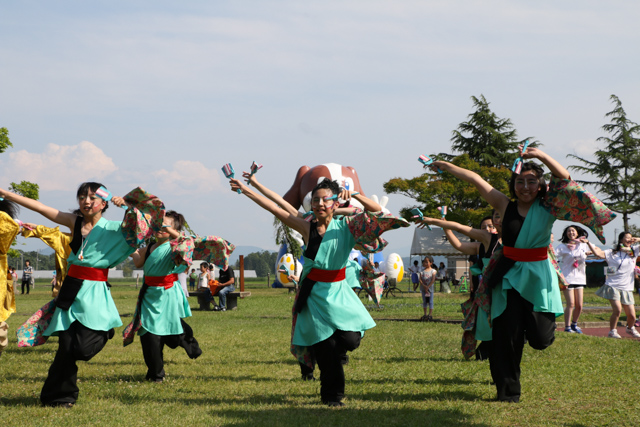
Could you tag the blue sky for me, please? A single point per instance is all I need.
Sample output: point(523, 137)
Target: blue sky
point(161, 94)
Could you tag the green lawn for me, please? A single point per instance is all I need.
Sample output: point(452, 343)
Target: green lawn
point(404, 373)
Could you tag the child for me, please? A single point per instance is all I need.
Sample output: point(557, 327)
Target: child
point(427, 278)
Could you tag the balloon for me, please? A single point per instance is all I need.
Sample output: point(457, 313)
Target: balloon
point(292, 265)
point(394, 267)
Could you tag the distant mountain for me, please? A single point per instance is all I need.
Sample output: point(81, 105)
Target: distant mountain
point(244, 250)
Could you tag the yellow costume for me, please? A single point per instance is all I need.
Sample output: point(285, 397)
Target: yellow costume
point(59, 242)
point(8, 231)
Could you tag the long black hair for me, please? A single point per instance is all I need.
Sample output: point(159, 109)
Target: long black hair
point(581, 233)
point(620, 237)
point(10, 208)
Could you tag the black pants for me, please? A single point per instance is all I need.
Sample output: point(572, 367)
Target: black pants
point(76, 343)
point(330, 355)
point(509, 330)
point(153, 346)
point(26, 283)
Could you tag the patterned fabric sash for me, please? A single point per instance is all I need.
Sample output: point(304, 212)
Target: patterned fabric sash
point(525, 255)
point(166, 281)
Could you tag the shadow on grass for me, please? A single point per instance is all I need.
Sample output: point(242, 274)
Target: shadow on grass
point(419, 397)
point(325, 416)
point(442, 381)
point(20, 401)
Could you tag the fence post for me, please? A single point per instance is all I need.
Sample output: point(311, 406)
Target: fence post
point(242, 273)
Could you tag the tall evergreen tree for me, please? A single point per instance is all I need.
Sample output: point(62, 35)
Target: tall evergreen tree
point(486, 138)
point(617, 165)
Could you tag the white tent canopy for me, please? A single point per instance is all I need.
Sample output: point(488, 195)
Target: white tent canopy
point(434, 243)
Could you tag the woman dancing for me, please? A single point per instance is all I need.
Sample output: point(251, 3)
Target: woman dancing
point(572, 254)
point(162, 303)
point(525, 296)
point(85, 314)
point(8, 231)
point(488, 238)
point(618, 288)
point(331, 318)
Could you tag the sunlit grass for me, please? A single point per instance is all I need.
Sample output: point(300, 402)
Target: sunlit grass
point(404, 373)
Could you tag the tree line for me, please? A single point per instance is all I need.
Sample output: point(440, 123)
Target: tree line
point(488, 145)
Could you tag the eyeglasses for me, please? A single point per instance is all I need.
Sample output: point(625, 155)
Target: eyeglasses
point(328, 201)
point(528, 183)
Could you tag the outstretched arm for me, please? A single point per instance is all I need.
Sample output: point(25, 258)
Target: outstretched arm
point(367, 203)
point(495, 198)
point(52, 214)
point(482, 236)
point(270, 194)
point(556, 168)
point(468, 248)
point(596, 250)
point(289, 219)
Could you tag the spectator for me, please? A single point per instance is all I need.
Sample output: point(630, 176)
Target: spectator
point(193, 277)
point(27, 274)
point(228, 280)
point(444, 280)
point(203, 280)
point(415, 270)
point(427, 279)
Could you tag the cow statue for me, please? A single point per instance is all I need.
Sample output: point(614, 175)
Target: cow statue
point(307, 178)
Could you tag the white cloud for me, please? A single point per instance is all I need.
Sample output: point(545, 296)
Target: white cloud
point(188, 177)
point(585, 148)
point(59, 167)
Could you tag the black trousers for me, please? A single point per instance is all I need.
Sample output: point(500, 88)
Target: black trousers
point(26, 283)
point(330, 356)
point(76, 343)
point(153, 346)
point(509, 330)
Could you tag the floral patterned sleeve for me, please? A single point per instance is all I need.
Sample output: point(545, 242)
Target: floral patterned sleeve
point(144, 218)
point(212, 249)
point(568, 200)
point(367, 227)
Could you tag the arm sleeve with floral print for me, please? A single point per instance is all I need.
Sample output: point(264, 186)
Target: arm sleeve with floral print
point(567, 200)
point(212, 249)
point(367, 227)
point(143, 218)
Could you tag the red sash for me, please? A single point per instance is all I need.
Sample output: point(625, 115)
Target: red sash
point(88, 273)
point(318, 275)
point(525, 255)
point(157, 281)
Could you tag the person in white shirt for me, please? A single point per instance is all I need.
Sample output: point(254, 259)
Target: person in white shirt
point(572, 254)
point(415, 270)
point(618, 288)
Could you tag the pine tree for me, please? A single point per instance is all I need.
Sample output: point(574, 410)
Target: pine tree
point(486, 138)
point(617, 165)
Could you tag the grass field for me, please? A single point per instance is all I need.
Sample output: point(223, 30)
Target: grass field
point(404, 374)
